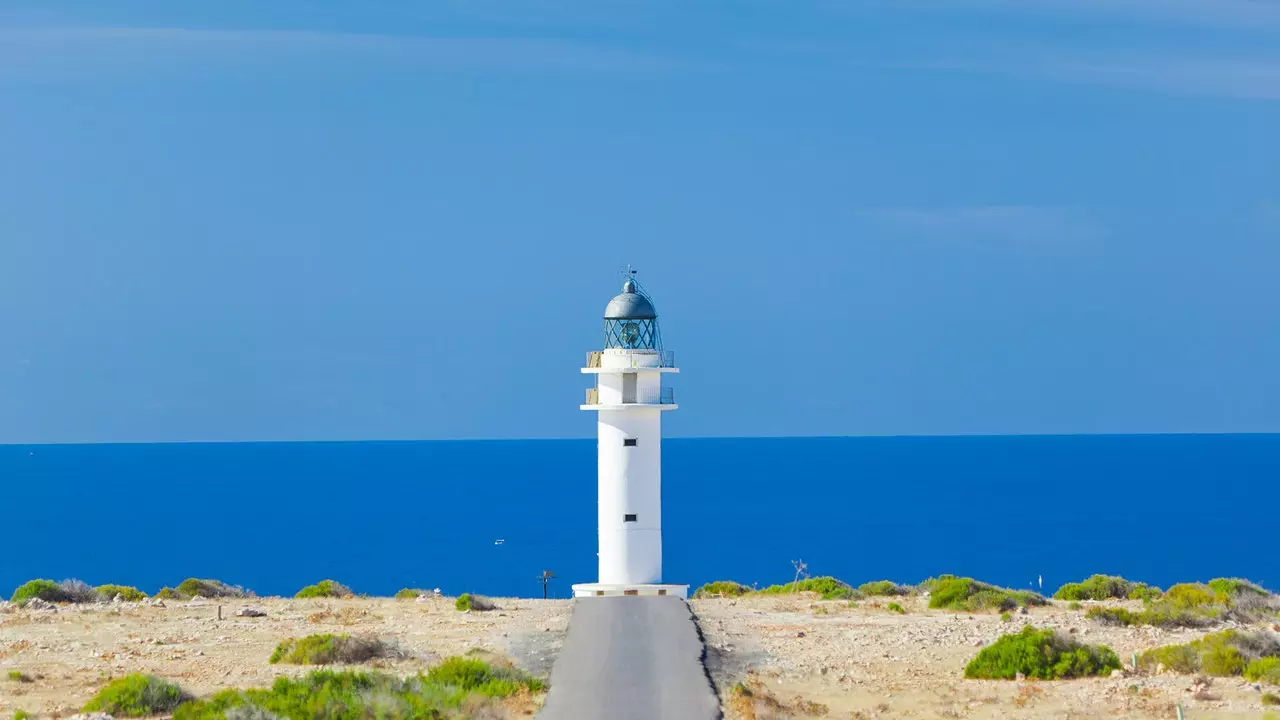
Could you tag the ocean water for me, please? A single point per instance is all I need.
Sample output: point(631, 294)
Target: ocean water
point(380, 516)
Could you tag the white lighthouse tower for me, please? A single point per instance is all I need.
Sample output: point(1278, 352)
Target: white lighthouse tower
point(629, 399)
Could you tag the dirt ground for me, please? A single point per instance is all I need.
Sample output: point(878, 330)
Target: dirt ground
point(802, 657)
point(71, 653)
point(868, 662)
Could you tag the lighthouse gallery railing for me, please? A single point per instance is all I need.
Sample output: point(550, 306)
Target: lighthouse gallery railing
point(662, 396)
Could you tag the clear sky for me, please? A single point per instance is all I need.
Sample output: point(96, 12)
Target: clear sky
point(237, 220)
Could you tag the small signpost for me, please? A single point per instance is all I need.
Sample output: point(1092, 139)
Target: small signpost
point(546, 577)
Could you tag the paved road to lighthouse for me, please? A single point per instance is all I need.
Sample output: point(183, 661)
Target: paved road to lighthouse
point(631, 658)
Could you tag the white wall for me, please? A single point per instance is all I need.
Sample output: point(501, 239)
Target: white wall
point(630, 482)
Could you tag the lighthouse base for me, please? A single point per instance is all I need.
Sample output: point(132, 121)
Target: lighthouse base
point(601, 590)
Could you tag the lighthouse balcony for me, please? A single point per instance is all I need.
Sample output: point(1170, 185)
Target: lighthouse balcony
point(630, 361)
point(659, 399)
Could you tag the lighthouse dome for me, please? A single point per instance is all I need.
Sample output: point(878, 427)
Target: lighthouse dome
point(630, 305)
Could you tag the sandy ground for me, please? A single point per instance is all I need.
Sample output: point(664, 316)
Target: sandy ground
point(867, 662)
point(72, 652)
point(807, 656)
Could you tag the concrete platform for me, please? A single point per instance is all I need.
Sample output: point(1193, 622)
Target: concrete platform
point(601, 590)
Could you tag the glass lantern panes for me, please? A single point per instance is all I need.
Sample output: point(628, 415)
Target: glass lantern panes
point(632, 334)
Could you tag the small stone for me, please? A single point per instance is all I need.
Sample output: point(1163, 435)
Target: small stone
point(800, 634)
point(1117, 673)
point(251, 612)
point(1019, 677)
point(1023, 610)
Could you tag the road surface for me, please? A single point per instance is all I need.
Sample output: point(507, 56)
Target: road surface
point(631, 658)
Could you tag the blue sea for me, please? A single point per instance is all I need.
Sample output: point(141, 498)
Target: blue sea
point(379, 516)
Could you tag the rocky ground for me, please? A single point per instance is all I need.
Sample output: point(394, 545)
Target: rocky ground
point(803, 657)
point(826, 658)
point(71, 651)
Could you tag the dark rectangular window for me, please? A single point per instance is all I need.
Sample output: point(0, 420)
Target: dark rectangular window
point(628, 518)
point(629, 442)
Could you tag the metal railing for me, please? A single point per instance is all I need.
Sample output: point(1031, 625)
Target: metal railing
point(666, 359)
point(661, 396)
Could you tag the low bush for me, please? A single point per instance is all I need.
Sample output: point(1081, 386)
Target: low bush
point(22, 715)
point(1269, 699)
point(1155, 615)
point(410, 594)
point(19, 676)
point(107, 593)
point(721, 588)
point(1191, 596)
point(1223, 654)
point(1106, 587)
point(1006, 617)
point(46, 590)
point(478, 603)
point(883, 588)
point(167, 593)
point(325, 589)
point(137, 695)
point(193, 587)
point(1040, 654)
point(330, 649)
point(895, 607)
point(949, 592)
point(67, 591)
point(1264, 669)
point(827, 587)
point(458, 686)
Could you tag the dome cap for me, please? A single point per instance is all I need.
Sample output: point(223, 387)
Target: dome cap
point(630, 305)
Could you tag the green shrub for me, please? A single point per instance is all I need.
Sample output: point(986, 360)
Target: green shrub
point(457, 687)
point(191, 587)
point(1144, 592)
point(325, 589)
point(1190, 596)
point(22, 715)
point(19, 676)
point(1224, 654)
point(410, 594)
point(721, 588)
point(329, 649)
point(948, 592)
point(1229, 588)
point(478, 603)
point(1269, 699)
point(474, 675)
point(1006, 617)
point(1073, 605)
point(1156, 615)
point(137, 695)
point(107, 593)
point(828, 587)
point(883, 588)
point(167, 593)
point(1040, 654)
point(46, 590)
point(1264, 669)
point(895, 607)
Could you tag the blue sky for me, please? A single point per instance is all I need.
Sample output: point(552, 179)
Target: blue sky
point(314, 220)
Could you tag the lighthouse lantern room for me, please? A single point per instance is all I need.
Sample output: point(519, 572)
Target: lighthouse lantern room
point(629, 398)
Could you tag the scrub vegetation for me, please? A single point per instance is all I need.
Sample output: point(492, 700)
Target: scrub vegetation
point(1040, 654)
point(948, 592)
point(192, 587)
point(331, 650)
point(325, 589)
point(722, 588)
point(457, 688)
point(478, 603)
point(137, 695)
point(1229, 653)
point(1196, 605)
point(1107, 587)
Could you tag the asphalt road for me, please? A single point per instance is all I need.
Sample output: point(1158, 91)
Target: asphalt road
point(631, 658)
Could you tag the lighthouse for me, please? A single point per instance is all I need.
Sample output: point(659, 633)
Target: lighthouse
point(629, 399)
